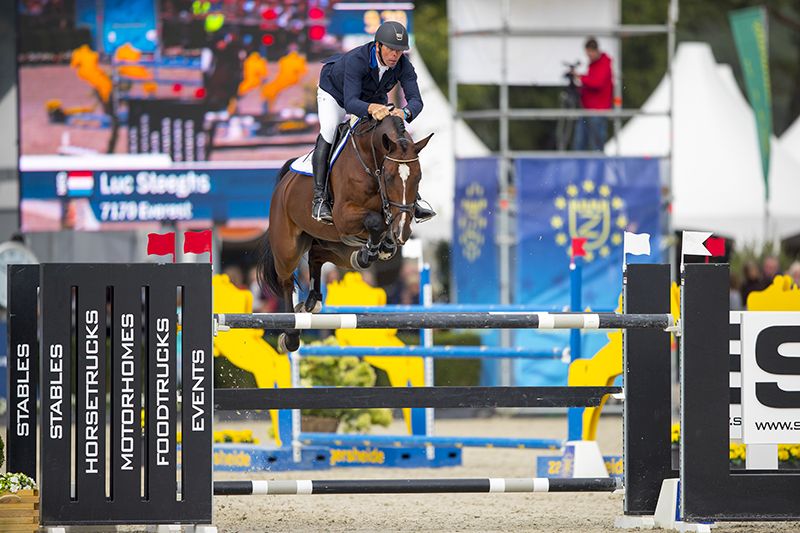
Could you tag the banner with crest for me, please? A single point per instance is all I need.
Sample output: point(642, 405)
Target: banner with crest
point(475, 269)
point(597, 199)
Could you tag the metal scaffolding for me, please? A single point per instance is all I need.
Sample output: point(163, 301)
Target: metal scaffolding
point(505, 236)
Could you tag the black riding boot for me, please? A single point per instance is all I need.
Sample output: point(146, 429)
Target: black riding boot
point(422, 213)
point(320, 209)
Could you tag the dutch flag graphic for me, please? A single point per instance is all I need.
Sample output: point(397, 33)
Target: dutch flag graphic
point(75, 183)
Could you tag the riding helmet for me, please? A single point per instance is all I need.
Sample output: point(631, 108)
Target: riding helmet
point(392, 34)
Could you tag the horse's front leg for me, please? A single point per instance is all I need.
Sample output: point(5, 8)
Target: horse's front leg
point(368, 254)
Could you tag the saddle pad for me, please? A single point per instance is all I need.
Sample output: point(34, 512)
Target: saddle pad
point(302, 165)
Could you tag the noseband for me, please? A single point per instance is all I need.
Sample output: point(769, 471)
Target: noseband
point(380, 176)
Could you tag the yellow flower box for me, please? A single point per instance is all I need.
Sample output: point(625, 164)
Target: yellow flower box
point(19, 511)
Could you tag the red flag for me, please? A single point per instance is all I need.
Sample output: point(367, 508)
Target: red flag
point(197, 242)
point(577, 246)
point(161, 244)
point(715, 246)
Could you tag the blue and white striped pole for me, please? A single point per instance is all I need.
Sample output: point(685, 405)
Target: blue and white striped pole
point(426, 300)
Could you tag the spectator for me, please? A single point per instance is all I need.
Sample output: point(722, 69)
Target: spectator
point(330, 274)
point(234, 273)
point(735, 294)
point(597, 92)
point(771, 267)
point(794, 272)
point(752, 280)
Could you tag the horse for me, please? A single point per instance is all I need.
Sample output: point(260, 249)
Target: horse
point(374, 184)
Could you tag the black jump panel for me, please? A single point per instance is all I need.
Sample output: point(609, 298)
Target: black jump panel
point(23, 369)
point(710, 489)
point(123, 321)
point(646, 362)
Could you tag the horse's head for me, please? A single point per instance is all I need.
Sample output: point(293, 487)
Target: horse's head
point(400, 176)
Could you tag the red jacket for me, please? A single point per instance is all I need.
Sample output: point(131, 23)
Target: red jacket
point(597, 91)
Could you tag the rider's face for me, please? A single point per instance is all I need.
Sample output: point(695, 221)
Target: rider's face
point(390, 55)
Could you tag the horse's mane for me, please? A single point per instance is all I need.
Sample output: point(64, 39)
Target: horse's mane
point(400, 130)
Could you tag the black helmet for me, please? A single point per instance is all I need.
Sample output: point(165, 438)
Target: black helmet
point(392, 34)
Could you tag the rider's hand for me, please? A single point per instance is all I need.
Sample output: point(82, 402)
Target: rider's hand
point(378, 111)
point(398, 113)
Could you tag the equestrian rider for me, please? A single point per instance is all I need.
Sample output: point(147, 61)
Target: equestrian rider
point(358, 83)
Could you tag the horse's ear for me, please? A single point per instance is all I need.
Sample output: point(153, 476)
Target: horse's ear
point(388, 144)
point(419, 145)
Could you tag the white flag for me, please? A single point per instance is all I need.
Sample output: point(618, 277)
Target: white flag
point(693, 243)
point(636, 243)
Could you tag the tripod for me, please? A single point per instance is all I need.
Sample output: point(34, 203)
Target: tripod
point(569, 98)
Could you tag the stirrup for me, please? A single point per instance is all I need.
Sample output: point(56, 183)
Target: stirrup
point(319, 214)
point(427, 212)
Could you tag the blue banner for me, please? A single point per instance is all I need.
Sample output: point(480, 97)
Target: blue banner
point(120, 199)
point(476, 274)
point(475, 268)
point(597, 199)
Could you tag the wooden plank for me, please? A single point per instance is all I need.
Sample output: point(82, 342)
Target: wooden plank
point(28, 511)
point(18, 520)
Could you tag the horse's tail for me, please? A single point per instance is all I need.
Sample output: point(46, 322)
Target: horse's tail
point(265, 269)
point(267, 275)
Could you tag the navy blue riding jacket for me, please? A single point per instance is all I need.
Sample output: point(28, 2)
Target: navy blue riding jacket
point(352, 79)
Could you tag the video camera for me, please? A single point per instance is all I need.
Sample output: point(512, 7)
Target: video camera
point(570, 73)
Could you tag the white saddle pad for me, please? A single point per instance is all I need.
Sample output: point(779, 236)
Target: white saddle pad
point(302, 165)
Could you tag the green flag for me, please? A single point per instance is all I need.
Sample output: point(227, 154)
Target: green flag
point(749, 28)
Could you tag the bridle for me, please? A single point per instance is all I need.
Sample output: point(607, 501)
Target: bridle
point(379, 175)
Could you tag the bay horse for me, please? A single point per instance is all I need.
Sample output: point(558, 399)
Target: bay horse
point(374, 183)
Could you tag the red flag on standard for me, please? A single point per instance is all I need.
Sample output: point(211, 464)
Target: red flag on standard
point(716, 246)
point(578, 244)
point(197, 242)
point(161, 244)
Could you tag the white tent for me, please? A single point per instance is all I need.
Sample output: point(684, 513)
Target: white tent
point(790, 140)
point(438, 158)
point(717, 181)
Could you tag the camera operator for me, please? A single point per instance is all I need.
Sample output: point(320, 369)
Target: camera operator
point(597, 92)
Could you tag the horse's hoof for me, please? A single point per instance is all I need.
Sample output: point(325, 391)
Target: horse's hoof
point(313, 303)
point(312, 306)
point(355, 263)
point(288, 343)
point(282, 343)
point(387, 251)
point(386, 254)
point(300, 308)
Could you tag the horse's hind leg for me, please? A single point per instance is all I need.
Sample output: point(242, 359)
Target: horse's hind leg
point(285, 264)
point(289, 340)
point(316, 258)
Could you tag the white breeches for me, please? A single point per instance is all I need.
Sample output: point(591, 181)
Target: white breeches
point(330, 115)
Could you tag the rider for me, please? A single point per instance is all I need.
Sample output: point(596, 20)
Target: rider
point(358, 83)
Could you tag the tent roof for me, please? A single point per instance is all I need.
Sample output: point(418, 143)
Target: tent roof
point(791, 139)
